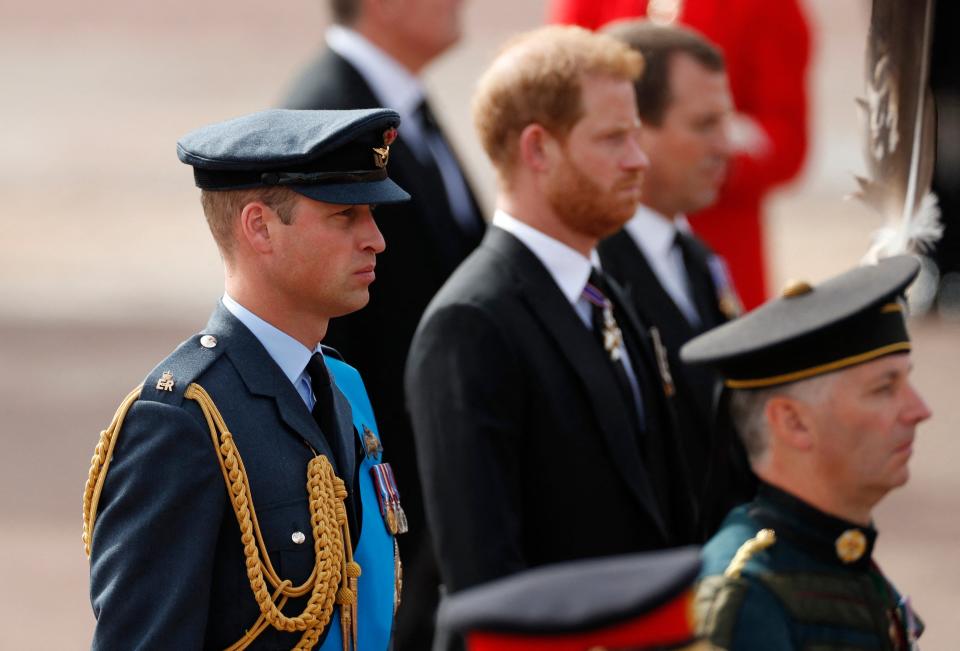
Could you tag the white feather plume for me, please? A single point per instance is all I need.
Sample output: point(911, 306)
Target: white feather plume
point(900, 129)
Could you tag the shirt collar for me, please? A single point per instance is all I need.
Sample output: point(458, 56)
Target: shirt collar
point(568, 267)
point(289, 354)
point(394, 85)
point(653, 232)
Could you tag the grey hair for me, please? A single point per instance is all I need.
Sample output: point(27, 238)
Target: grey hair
point(747, 409)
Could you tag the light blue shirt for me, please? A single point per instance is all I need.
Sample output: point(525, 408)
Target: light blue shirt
point(289, 354)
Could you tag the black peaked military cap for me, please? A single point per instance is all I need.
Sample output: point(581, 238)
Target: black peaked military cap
point(850, 319)
point(638, 601)
point(332, 156)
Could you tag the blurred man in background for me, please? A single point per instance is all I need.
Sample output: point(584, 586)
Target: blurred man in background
point(673, 279)
point(544, 428)
point(374, 52)
point(766, 46)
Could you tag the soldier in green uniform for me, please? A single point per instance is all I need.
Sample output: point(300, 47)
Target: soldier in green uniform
point(818, 386)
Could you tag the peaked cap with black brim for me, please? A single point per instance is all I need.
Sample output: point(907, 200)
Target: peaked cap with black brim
point(332, 156)
point(850, 319)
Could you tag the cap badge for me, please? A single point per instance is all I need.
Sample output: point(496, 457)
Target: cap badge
point(382, 154)
point(165, 383)
point(851, 545)
point(796, 288)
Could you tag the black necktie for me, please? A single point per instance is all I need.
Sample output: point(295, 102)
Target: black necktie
point(323, 410)
point(608, 333)
point(701, 289)
point(466, 219)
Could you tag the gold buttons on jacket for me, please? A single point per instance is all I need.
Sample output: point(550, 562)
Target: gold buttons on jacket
point(851, 545)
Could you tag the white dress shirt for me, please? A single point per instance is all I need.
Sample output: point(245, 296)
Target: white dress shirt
point(289, 354)
point(397, 88)
point(656, 236)
point(570, 270)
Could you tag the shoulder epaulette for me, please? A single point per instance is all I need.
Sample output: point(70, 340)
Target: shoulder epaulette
point(765, 538)
point(171, 377)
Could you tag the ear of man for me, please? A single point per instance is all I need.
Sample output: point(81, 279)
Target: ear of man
point(791, 422)
point(539, 149)
point(257, 222)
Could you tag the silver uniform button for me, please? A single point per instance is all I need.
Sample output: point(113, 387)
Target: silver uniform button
point(208, 341)
point(298, 537)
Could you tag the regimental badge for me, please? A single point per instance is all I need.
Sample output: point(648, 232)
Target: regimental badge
point(851, 545)
point(372, 444)
point(382, 154)
point(727, 298)
point(165, 383)
point(663, 363)
point(388, 495)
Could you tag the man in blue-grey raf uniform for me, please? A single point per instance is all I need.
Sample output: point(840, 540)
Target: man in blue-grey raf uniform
point(239, 498)
point(820, 393)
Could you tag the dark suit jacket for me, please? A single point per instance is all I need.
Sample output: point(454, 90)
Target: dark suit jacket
point(718, 467)
point(424, 246)
point(527, 449)
point(167, 567)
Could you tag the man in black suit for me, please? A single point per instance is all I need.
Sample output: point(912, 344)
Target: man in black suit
point(374, 52)
point(673, 279)
point(542, 423)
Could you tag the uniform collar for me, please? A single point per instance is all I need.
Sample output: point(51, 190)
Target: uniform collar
point(568, 267)
point(824, 536)
point(289, 354)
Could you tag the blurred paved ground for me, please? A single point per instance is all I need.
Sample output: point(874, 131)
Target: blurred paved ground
point(106, 263)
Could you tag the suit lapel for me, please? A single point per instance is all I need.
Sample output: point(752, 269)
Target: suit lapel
point(263, 377)
point(640, 283)
point(560, 321)
point(696, 259)
point(437, 223)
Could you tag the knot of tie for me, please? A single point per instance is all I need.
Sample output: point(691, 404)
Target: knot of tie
point(427, 118)
point(317, 370)
point(324, 412)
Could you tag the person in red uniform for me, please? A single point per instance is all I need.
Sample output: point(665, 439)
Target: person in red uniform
point(767, 44)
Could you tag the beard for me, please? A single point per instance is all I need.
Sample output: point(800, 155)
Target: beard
point(586, 207)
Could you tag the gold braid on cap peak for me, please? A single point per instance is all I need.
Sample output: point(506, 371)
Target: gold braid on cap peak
point(764, 538)
point(334, 577)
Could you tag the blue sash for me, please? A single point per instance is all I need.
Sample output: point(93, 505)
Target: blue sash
point(375, 550)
